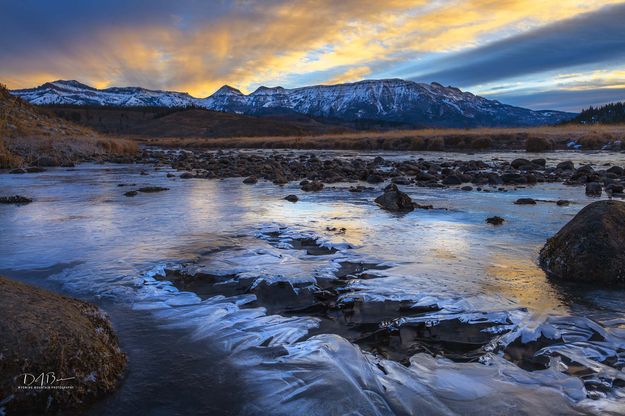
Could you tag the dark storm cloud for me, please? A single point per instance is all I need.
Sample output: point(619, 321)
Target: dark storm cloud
point(565, 100)
point(597, 37)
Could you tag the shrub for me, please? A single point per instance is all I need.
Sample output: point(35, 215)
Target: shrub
point(482, 143)
point(538, 144)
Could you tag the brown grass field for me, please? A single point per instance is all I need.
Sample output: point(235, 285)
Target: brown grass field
point(29, 136)
point(531, 139)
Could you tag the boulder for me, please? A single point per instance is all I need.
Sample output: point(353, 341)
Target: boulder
point(250, 180)
point(567, 165)
point(62, 338)
point(291, 198)
point(593, 189)
point(518, 163)
point(394, 200)
point(452, 180)
point(590, 247)
point(525, 201)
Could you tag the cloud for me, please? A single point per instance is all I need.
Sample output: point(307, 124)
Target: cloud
point(594, 37)
point(199, 46)
point(565, 100)
point(351, 75)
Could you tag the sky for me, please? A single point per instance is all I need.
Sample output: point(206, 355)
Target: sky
point(564, 55)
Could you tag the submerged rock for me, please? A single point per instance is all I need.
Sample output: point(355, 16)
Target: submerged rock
point(525, 201)
point(590, 247)
point(15, 199)
point(291, 198)
point(131, 193)
point(495, 220)
point(62, 338)
point(395, 200)
point(152, 189)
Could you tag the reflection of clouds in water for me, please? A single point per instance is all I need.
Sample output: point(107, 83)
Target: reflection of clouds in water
point(522, 281)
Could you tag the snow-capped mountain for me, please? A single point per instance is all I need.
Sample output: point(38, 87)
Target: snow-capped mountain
point(389, 100)
point(76, 93)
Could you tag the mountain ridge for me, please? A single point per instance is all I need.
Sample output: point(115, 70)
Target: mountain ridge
point(387, 100)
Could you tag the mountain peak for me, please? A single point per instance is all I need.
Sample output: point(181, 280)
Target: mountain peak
point(268, 90)
point(71, 83)
point(227, 89)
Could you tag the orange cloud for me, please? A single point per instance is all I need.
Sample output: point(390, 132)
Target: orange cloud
point(290, 40)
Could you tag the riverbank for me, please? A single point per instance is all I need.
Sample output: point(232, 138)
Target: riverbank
point(536, 139)
point(31, 137)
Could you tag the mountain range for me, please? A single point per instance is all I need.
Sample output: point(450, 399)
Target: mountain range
point(388, 101)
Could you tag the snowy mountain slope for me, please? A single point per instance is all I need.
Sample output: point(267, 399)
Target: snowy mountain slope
point(389, 100)
point(75, 93)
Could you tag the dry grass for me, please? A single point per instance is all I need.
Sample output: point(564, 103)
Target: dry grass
point(31, 136)
point(591, 137)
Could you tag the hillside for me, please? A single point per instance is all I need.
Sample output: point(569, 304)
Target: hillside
point(31, 136)
point(613, 113)
point(391, 102)
point(188, 122)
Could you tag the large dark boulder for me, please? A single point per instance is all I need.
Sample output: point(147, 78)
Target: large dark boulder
point(61, 338)
point(395, 200)
point(590, 248)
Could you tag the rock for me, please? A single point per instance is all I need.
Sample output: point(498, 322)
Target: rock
point(539, 162)
point(568, 165)
point(525, 201)
point(152, 189)
point(518, 163)
point(35, 169)
point(54, 334)
point(144, 173)
point(170, 175)
point(452, 180)
point(590, 247)
point(593, 189)
point(131, 193)
point(17, 171)
point(511, 177)
point(401, 180)
point(563, 203)
point(467, 188)
point(495, 220)
point(395, 200)
point(291, 198)
point(250, 180)
point(15, 199)
point(314, 186)
point(617, 170)
point(186, 175)
point(615, 188)
point(374, 178)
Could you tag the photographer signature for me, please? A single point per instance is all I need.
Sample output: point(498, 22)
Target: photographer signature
point(43, 380)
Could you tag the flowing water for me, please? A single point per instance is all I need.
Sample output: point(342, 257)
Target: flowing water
point(471, 293)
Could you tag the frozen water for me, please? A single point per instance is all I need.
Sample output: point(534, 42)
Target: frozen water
point(439, 265)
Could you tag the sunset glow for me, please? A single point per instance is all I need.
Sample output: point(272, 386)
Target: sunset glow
point(198, 47)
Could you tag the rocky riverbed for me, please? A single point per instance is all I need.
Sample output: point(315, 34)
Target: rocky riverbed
point(481, 173)
point(325, 303)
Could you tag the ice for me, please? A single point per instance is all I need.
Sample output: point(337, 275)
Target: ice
point(435, 267)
